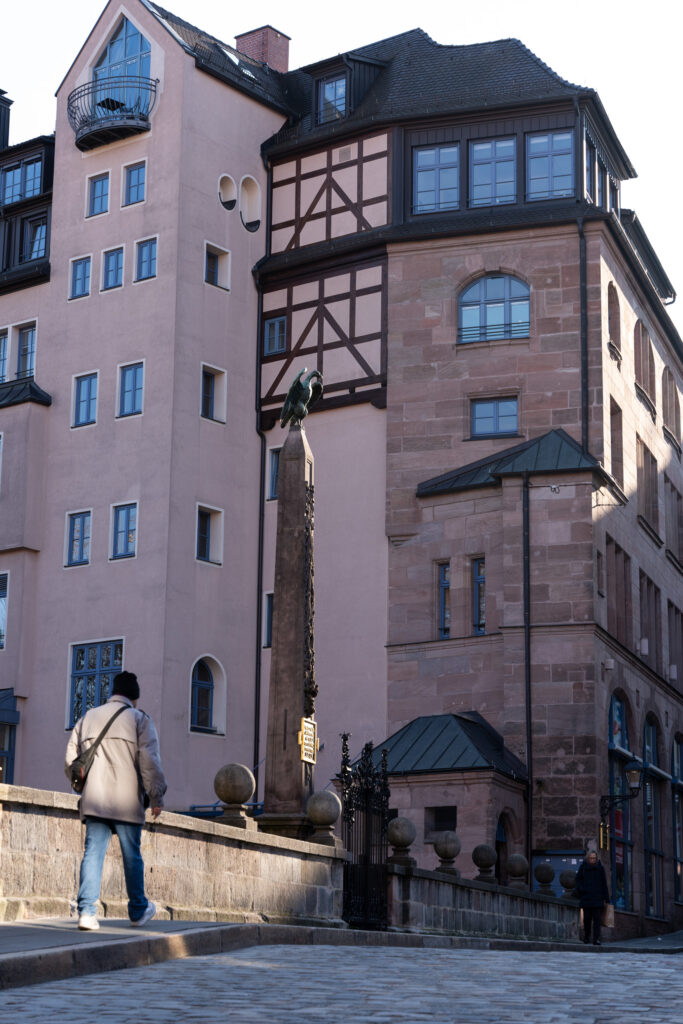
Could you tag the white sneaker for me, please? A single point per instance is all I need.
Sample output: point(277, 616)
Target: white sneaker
point(88, 923)
point(150, 911)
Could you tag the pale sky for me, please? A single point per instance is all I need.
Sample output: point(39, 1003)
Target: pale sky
point(629, 52)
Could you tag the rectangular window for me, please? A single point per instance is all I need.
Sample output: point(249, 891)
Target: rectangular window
point(268, 624)
point(550, 165)
point(492, 172)
point(275, 336)
point(436, 175)
point(439, 819)
point(619, 609)
point(444, 600)
point(674, 520)
point(616, 442)
point(26, 351)
point(131, 390)
point(273, 472)
point(85, 410)
point(135, 184)
point(494, 416)
point(208, 394)
point(675, 623)
point(80, 277)
point(93, 667)
point(78, 552)
point(478, 595)
point(602, 175)
point(21, 181)
point(112, 275)
point(648, 498)
point(209, 546)
point(125, 531)
point(217, 266)
point(3, 356)
point(590, 171)
point(98, 198)
point(33, 238)
point(4, 587)
point(331, 98)
point(146, 259)
point(650, 624)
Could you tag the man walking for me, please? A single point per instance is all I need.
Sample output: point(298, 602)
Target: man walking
point(127, 765)
point(591, 888)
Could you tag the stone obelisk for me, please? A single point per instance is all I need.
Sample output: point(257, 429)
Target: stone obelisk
point(290, 751)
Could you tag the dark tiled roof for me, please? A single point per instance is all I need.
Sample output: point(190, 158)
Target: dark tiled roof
point(14, 392)
point(448, 743)
point(554, 452)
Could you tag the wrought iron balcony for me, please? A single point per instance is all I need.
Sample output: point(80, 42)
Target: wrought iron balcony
point(111, 109)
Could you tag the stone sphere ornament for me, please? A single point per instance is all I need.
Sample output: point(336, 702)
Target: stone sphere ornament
point(323, 808)
point(401, 833)
point(447, 846)
point(234, 784)
point(517, 869)
point(544, 874)
point(484, 857)
point(568, 883)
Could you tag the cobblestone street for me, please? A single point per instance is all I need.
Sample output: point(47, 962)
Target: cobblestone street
point(281, 984)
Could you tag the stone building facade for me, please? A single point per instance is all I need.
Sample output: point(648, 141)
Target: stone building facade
point(438, 230)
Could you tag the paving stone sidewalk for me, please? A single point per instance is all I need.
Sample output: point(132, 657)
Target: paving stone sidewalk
point(286, 984)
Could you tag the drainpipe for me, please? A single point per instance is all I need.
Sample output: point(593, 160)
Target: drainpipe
point(527, 664)
point(583, 293)
point(262, 502)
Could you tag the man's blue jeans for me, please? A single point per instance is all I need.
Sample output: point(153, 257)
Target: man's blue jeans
point(98, 832)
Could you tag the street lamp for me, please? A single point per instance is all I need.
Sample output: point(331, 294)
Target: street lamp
point(634, 777)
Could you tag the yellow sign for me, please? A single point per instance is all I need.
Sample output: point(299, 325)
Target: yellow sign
point(308, 740)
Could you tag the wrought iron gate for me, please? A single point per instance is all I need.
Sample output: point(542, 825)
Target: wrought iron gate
point(365, 811)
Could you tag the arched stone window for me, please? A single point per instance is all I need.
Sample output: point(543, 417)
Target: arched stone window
point(250, 203)
point(227, 192)
point(652, 812)
point(671, 406)
point(644, 362)
point(208, 696)
point(613, 317)
point(621, 845)
point(495, 306)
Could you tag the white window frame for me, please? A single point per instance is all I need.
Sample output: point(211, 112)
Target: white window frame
point(75, 259)
point(224, 266)
point(119, 504)
point(8, 574)
point(216, 543)
point(144, 238)
point(117, 406)
point(220, 393)
point(97, 174)
point(67, 520)
point(117, 287)
point(220, 697)
point(124, 175)
point(74, 378)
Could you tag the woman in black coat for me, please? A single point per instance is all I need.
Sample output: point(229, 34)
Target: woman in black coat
point(591, 888)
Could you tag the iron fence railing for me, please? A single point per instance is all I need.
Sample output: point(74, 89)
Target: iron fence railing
point(111, 102)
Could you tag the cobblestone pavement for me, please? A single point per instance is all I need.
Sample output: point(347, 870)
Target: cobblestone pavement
point(287, 984)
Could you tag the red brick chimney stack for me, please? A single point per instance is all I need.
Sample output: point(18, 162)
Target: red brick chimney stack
point(267, 45)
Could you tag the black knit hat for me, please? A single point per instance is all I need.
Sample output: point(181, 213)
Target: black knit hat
point(126, 685)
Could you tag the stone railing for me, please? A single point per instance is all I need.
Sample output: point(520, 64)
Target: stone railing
point(194, 869)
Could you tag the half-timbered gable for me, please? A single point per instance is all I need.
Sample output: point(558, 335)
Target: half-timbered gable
point(334, 322)
point(336, 191)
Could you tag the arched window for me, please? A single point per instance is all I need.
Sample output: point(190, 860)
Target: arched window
point(227, 192)
point(644, 361)
point(671, 407)
point(621, 845)
point(250, 203)
point(613, 317)
point(496, 306)
point(119, 73)
point(654, 855)
point(202, 698)
point(677, 790)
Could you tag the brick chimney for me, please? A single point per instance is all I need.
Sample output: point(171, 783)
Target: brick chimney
point(5, 104)
point(267, 45)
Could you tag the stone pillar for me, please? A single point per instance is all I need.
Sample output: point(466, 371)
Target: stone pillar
point(289, 780)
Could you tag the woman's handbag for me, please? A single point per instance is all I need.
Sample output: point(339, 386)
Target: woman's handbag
point(607, 917)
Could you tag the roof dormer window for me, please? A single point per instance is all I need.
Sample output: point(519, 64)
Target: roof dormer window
point(331, 98)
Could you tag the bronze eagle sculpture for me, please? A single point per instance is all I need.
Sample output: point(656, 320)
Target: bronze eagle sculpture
point(301, 396)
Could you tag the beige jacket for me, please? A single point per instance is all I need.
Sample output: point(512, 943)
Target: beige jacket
point(127, 760)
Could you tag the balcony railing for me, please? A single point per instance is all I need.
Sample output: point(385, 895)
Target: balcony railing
point(110, 109)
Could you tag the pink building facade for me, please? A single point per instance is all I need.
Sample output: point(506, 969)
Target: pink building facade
point(499, 521)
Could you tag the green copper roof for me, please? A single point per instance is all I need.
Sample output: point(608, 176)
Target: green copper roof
point(554, 452)
point(448, 743)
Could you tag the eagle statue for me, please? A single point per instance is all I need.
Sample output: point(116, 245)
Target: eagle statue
point(301, 396)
